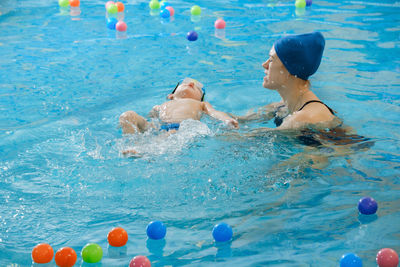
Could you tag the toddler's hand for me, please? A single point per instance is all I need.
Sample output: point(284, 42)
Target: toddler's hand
point(232, 122)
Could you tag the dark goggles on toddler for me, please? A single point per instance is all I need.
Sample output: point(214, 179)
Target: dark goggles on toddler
point(196, 83)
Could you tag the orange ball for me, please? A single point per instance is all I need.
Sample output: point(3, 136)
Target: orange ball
point(42, 253)
point(120, 6)
point(117, 237)
point(65, 257)
point(74, 3)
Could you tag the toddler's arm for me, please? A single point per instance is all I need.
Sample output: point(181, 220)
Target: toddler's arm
point(219, 115)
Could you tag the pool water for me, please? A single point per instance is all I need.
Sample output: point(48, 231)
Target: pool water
point(65, 79)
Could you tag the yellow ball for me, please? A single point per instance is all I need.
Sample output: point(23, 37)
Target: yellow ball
point(63, 3)
point(300, 3)
point(154, 4)
point(195, 10)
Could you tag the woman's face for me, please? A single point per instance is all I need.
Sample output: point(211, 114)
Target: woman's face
point(276, 74)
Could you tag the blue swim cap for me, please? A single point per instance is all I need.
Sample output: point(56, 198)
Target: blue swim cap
point(301, 54)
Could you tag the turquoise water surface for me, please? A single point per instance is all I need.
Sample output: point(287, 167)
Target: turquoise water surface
point(65, 79)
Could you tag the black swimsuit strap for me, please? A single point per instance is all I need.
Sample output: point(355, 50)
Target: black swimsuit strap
point(317, 101)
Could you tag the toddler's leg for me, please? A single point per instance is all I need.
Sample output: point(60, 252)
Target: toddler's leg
point(131, 122)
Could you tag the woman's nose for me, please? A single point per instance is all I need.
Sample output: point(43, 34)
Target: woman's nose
point(265, 64)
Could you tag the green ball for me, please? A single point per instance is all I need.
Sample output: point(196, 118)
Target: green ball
point(92, 253)
point(300, 3)
point(195, 10)
point(154, 4)
point(112, 9)
point(63, 3)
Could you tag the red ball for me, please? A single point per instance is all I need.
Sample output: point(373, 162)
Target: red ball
point(120, 6)
point(42, 253)
point(140, 261)
point(220, 24)
point(74, 3)
point(171, 10)
point(117, 237)
point(121, 26)
point(65, 257)
point(387, 257)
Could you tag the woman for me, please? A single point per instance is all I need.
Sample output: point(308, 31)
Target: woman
point(292, 60)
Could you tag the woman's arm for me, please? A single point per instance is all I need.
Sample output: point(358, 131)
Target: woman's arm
point(263, 113)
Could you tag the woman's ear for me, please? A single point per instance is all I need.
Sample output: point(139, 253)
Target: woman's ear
point(170, 96)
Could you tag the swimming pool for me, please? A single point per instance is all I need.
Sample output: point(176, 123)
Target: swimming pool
point(64, 81)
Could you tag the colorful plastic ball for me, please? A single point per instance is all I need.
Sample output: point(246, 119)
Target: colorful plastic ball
point(109, 3)
point(63, 3)
point(117, 237)
point(42, 253)
point(111, 22)
point(171, 10)
point(350, 260)
point(308, 2)
point(222, 232)
point(92, 253)
point(192, 36)
point(164, 4)
point(74, 3)
point(195, 10)
point(367, 205)
point(120, 6)
point(220, 24)
point(112, 9)
point(156, 230)
point(154, 4)
point(140, 261)
point(300, 3)
point(65, 257)
point(121, 26)
point(165, 13)
point(387, 257)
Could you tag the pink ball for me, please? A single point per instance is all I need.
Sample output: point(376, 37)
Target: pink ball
point(109, 3)
point(220, 24)
point(171, 10)
point(140, 261)
point(121, 26)
point(387, 257)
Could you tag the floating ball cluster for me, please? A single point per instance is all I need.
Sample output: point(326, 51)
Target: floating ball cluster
point(112, 9)
point(386, 257)
point(116, 237)
point(66, 3)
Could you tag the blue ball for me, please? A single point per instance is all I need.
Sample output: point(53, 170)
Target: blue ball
point(164, 4)
point(367, 205)
point(350, 260)
point(192, 36)
point(111, 22)
point(156, 230)
point(165, 13)
point(222, 232)
point(308, 2)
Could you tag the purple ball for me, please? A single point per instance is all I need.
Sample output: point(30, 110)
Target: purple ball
point(308, 2)
point(367, 205)
point(192, 36)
